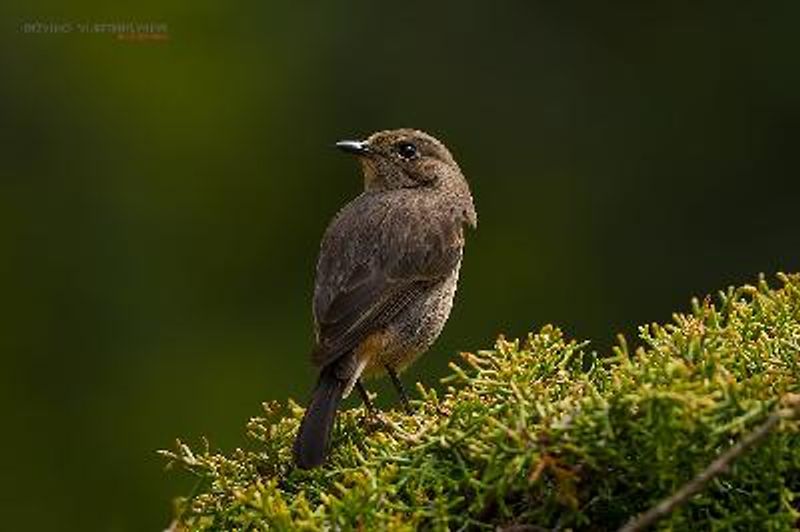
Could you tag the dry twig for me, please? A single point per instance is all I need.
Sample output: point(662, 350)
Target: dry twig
point(716, 468)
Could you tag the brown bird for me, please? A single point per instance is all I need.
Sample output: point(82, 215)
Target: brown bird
point(387, 273)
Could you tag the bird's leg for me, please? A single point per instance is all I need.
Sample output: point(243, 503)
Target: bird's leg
point(373, 419)
point(401, 391)
point(365, 398)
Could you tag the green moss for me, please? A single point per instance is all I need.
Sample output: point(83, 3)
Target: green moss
point(544, 431)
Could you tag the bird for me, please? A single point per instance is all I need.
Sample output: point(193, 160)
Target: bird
point(386, 275)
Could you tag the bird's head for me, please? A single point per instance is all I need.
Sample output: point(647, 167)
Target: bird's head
point(408, 158)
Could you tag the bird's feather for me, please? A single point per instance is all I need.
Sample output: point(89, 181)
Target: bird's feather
point(377, 257)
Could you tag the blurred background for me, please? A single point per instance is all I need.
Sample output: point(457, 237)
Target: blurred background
point(162, 199)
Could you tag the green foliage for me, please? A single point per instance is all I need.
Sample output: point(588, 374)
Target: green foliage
point(544, 431)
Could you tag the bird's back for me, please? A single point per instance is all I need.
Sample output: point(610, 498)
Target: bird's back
point(383, 252)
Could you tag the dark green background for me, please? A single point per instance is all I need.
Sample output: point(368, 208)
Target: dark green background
point(161, 204)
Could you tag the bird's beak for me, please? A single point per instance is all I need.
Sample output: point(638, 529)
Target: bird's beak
point(356, 147)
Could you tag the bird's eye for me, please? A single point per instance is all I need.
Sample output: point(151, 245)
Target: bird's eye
point(406, 150)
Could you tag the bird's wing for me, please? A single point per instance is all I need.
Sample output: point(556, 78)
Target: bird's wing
point(377, 257)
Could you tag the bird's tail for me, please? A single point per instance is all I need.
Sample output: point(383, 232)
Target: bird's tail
point(311, 444)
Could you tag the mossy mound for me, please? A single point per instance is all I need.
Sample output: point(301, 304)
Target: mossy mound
point(542, 431)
